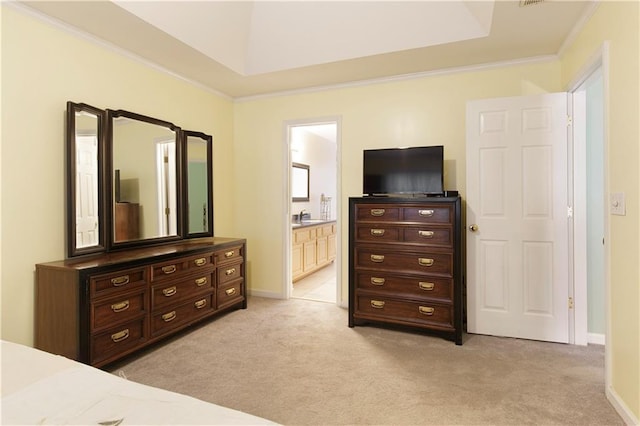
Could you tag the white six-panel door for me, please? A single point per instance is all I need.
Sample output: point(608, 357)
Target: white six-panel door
point(517, 224)
point(86, 191)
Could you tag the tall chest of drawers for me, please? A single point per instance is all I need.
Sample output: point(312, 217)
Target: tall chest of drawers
point(100, 308)
point(406, 263)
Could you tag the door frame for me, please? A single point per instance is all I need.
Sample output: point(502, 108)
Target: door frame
point(599, 59)
point(287, 286)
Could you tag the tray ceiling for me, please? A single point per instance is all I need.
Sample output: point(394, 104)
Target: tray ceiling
point(247, 48)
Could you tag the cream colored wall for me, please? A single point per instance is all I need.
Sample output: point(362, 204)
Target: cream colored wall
point(43, 68)
point(425, 111)
point(619, 23)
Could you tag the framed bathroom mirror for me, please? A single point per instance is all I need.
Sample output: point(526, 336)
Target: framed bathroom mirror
point(198, 210)
point(85, 171)
point(299, 182)
point(144, 182)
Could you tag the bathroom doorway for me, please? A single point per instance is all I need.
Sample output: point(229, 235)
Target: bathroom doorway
point(313, 272)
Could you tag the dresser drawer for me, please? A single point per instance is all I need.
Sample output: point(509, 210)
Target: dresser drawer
point(117, 309)
point(434, 315)
point(427, 287)
point(423, 235)
point(230, 294)
point(378, 233)
point(230, 272)
point(117, 340)
point(177, 316)
point(413, 262)
point(377, 212)
point(229, 255)
point(428, 236)
point(170, 292)
point(118, 281)
point(181, 266)
point(427, 214)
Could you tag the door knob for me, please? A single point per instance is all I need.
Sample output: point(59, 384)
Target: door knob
point(473, 227)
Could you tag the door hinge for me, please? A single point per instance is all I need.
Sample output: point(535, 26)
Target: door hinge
point(569, 211)
point(570, 302)
point(569, 120)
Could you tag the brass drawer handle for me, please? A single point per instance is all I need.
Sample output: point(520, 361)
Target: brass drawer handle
point(230, 291)
point(200, 304)
point(169, 317)
point(201, 281)
point(426, 286)
point(378, 304)
point(377, 232)
point(426, 310)
point(200, 261)
point(377, 212)
point(120, 336)
point(230, 271)
point(119, 307)
point(377, 258)
point(426, 234)
point(170, 291)
point(426, 213)
point(119, 281)
point(229, 253)
point(423, 261)
point(169, 269)
point(377, 281)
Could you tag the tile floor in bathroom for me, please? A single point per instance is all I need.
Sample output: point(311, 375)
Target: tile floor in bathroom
point(319, 286)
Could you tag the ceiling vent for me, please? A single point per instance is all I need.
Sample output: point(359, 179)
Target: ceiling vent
point(524, 3)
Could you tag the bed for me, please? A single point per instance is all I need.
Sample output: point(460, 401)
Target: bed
point(41, 388)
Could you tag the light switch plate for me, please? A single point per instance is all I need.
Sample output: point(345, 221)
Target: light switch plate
point(617, 204)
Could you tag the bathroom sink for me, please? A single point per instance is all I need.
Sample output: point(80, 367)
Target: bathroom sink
point(313, 220)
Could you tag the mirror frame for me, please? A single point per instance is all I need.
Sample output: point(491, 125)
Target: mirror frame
point(185, 208)
point(105, 175)
point(306, 169)
point(109, 187)
point(72, 109)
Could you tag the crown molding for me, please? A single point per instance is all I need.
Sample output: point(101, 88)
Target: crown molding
point(63, 26)
point(404, 77)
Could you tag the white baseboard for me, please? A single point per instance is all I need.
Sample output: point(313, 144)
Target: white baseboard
point(595, 339)
point(267, 294)
point(620, 407)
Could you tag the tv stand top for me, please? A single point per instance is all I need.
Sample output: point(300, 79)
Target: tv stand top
point(414, 195)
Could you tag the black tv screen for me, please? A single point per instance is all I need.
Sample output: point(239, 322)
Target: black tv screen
point(415, 171)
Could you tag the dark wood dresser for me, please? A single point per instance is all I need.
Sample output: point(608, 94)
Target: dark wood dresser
point(406, 263)
point(100, 308)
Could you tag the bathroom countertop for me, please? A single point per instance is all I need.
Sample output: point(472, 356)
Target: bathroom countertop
point(311, 222)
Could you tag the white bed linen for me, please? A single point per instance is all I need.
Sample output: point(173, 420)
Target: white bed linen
point(41, 388)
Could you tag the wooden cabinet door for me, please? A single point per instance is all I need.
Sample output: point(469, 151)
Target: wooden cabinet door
point(331, 247)
point(309, 255)
point(322, 254)
point(296, 260)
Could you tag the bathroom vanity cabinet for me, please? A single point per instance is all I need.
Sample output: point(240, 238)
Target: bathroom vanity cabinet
point(313, 247)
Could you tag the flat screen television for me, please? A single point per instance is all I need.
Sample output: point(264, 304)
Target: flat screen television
point(406, 171)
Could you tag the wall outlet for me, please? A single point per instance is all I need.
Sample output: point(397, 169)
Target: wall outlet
point(617, 203)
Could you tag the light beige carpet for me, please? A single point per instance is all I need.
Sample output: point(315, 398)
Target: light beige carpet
point(296, 362)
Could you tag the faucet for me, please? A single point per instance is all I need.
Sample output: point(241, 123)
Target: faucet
point(302, 212)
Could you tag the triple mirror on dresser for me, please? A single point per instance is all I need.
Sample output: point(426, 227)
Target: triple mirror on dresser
point(134, 180)
point(142, 261)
